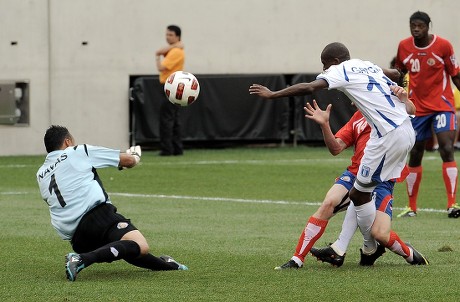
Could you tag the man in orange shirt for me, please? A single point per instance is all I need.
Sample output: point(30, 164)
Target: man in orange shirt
point(431, 64)
point(173, 60)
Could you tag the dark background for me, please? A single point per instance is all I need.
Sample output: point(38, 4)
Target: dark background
point(226, 114)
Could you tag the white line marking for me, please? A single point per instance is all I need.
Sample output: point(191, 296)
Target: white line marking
point(14, 193)
point(220, 162)
point(161, 196)
point(266, 201)
point(224, 199)
point(249, 162)
point(18, 166)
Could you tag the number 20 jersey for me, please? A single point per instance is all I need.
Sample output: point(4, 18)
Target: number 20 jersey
point(430, 69)
point(69, 184)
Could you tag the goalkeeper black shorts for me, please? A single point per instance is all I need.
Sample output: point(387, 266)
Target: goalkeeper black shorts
point(99, 227)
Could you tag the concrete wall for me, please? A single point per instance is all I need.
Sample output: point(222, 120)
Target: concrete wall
point(85, 87)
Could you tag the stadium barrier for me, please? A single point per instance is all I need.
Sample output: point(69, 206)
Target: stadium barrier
point(226, 113)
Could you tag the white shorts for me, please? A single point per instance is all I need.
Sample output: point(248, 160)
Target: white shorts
point(385, 157)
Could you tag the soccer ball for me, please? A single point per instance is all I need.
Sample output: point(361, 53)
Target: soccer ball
point(182, 88)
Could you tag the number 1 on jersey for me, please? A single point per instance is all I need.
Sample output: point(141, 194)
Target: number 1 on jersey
point(54, 187)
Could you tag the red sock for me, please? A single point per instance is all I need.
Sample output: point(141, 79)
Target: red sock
point(313, 230)
point(449, 173)
point(412, 184)
point(404, 174)
point(397, 246)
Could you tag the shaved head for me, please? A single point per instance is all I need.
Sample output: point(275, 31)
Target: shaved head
point(335, 50)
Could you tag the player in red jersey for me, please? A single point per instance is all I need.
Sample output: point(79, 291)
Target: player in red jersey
point(431, 64)
point(354, 133)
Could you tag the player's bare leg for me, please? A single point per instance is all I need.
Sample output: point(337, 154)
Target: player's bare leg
point(381, 230)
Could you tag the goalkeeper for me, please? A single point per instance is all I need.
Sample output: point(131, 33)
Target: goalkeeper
point(81, 210)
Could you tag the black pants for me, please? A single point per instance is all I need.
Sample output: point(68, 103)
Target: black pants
point(170, 129)
point(98, 227)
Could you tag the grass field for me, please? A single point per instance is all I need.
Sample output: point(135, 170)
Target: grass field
point(230, 215)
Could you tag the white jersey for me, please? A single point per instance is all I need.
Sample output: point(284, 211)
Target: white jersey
point(70, 186)
point(368, 87)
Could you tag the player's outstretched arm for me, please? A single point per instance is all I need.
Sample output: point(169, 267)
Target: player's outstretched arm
point(294, 90)
point(130, 158)
point(335, 145)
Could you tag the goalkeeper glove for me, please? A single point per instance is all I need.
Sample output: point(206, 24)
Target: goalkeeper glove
point(136, 152)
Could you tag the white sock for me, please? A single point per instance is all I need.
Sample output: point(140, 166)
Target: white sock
point(297, 260)
point(410, 258)
point(349, 226)
point(365, 215)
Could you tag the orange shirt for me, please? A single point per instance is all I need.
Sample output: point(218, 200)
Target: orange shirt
point(173, 61)
point(429, 69)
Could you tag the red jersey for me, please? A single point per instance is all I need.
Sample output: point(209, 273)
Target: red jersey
point(430, 69)
point(355, 133)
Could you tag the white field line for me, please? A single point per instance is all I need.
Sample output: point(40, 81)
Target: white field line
point(220, 162)
point(231, 162)
point(247, 162)
point(219, 199)
point(261, 161)
point(242, 200)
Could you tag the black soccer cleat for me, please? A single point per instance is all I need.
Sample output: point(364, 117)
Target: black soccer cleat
point(368, 260)
point(169, 259)
point(327, 254)
point(288, 265)
point(417, 258)
point(454, 211)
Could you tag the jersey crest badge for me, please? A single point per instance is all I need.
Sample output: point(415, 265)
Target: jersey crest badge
point(122, 225)
point(431, 62)
point(365, 171)
point(345, 178)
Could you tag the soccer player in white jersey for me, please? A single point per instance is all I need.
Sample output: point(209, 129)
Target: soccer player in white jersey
point(81, 210)
point(370, 88)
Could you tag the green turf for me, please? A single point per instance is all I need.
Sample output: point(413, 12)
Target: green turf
point(231, 215)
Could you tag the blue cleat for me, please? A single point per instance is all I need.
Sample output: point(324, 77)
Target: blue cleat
point(73, 266)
